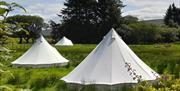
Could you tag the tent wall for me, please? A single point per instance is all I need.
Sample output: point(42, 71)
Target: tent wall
point(39, 65)
point(119, 87)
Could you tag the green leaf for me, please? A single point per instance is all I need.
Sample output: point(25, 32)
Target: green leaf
point(6, 88)
point(2, 71)
point(1, 64)
point(2, 11)
point(15, 5)
point(2, 26)
point(3, 3)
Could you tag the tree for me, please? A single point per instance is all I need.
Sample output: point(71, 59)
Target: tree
point(23, 24)
point(80, 11)
point(109, 12)
point(130, 19)
point(4, 30)
point(79, 20)
point(8, 7)
point(168, 15)
point(5, 9)
point(56, 31)
point(90, 20)
point(172, 17)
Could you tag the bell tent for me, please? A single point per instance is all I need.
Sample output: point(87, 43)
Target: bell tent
point(111, 62)
point(64, 42)
point(41, 54)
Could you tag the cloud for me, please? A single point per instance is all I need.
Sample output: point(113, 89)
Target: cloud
point(147, 13)
point(147, 9)
point(47, 9)
point(143, 9)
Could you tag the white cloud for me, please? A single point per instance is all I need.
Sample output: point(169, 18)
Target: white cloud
point(147, 9)
point(47, 11)
point(45, 8)
point(143, 9)
point(147, 13)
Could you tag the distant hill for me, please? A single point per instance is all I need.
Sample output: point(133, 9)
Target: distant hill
point(155, 21)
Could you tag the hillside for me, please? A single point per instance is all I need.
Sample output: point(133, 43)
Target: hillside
point(155, 21)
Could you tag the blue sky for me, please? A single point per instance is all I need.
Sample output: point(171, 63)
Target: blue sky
point(143, 9)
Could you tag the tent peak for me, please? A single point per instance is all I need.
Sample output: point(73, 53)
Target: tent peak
point(112, 29)
point(113, 34)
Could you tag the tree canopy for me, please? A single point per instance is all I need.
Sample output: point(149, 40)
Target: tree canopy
point(5, 9)
point(28, 19)
point(172, 17)
point(27, 26)
point(87, 21)
point(8, 7)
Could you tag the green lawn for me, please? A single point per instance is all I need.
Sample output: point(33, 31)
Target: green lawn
point(164, 60)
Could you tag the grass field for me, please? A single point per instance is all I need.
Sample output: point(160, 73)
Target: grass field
point(163, 59)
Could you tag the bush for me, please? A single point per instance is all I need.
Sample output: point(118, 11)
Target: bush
point(145, 33)
point(43, 81)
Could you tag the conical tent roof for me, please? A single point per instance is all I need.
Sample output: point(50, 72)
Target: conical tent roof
point(64, 42)
point(41, 54)
point(111, 62)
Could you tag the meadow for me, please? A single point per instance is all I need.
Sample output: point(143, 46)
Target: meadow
point(163, 58)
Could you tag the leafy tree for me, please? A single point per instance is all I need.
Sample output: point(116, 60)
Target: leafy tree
point(80, 11)
point(56, 31)
point(79, 20)
point(87, 21)
point(174, 13)
point(168, 15)
point(5, 9)
point(109, 12)
point(8, 7)
point(24, 25)
point(145, 33)
point(130, 19)
point(172, 17)
point(170, 35)
point(28, 19)
point(3, 33)
point(35, 31)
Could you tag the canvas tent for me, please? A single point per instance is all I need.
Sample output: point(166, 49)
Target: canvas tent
point(111, 62)
point(64, 42)
point(41, 54)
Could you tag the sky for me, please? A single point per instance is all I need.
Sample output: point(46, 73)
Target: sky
point(143, 9)
point(148, 9)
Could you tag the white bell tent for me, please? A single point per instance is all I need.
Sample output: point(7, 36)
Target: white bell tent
point(64, 42)
point(111, 62)
point(41, 54)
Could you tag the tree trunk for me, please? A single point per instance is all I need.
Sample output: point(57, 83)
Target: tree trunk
point(20, 40)
point(27, 39)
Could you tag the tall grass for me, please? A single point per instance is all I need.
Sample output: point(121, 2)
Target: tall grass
point(164, 60)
